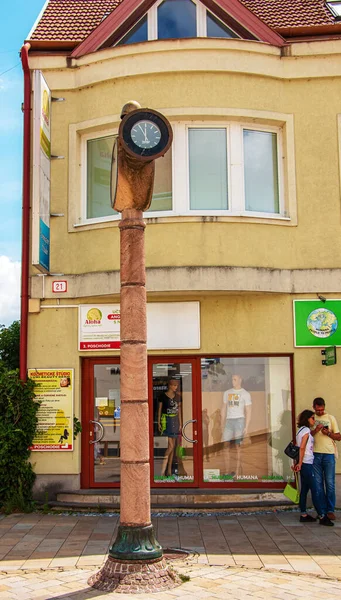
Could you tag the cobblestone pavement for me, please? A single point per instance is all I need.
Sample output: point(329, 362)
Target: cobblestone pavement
point(45, 557)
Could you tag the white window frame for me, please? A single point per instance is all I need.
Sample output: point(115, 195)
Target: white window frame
point(206, 125)
point(84, 177)
point(180, 175)
point(235, 169)
point(335, 8)
point(279, 133)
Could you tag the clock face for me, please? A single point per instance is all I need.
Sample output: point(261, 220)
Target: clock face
point(145, 134)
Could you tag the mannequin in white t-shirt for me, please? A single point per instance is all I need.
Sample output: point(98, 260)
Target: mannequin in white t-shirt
point(236, 417)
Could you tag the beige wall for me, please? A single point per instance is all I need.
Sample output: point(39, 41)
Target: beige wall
point(222, 242)
point(230, 324)
point(221, 79)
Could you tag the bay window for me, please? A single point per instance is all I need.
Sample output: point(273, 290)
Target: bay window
point(225, 169)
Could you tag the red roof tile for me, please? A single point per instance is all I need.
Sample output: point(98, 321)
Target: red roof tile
point(291, 13)
point(73, 20)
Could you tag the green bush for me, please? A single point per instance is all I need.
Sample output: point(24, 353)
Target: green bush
point(9, 346)
point(18, 422)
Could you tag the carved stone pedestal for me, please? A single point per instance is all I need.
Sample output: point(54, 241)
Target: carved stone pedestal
point(134, 577)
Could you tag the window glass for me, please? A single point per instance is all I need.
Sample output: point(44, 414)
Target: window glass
point(176, 19)
point(139, 33)
point(99, 152)
point(208, 169)
point(335, 8)
point(261, 171)
point(215, 28)
point(106, 421)
point(246, 419)
point(162, 196)
point(172, 409)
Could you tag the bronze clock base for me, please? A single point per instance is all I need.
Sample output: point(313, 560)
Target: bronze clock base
point(138, 576)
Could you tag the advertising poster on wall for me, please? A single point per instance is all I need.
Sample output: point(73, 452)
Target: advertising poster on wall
point(317, 323)
point(99, 327)
point(54, 389)
point(41, 173)
point(170, 325)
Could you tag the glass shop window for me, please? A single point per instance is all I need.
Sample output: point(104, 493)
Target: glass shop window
point(246, 419)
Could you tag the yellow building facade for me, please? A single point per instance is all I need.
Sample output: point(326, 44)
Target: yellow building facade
point(245, 220)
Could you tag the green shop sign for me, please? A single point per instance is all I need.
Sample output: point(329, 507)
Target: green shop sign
point(317, 323)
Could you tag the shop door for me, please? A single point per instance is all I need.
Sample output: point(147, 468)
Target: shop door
point(101, 423)
point(174, 422)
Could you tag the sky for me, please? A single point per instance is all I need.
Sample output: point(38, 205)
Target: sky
point(16, 23)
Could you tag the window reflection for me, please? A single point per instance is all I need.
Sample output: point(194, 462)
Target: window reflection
point(261, 171)
point(162, 191)
point(107, 418)
point(215, 28)
point(139, 33)
point(208, 168)
point(99, 153)
point(246, 419)
point(172, 409)
point(176, 19)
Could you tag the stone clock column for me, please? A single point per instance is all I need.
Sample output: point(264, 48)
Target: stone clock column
point(135, 559)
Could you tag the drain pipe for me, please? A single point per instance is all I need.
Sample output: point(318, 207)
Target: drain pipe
point(26, 202)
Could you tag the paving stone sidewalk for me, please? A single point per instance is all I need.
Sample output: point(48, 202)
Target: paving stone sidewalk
point(45, 557)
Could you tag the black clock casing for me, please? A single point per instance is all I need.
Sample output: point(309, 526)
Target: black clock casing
point(145, 134)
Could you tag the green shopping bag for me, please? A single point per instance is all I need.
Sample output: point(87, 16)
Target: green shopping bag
point(180, 450)
point(291, 492)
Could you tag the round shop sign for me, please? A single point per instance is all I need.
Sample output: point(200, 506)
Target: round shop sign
point(322, 323)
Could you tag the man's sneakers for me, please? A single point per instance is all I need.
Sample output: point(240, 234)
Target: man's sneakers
point(326, 521)
point(331, 516)
point(307, 519)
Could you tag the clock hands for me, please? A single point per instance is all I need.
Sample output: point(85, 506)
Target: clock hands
point(146, 140)
point(145, 135)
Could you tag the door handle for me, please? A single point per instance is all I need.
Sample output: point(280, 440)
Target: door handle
point(101, 432)
point(183, 431)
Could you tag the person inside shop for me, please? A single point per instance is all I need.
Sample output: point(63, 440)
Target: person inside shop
point(326, 432)
point(169, 422)
point(236, 417)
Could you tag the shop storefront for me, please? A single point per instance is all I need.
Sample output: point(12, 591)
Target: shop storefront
point(215, 421)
